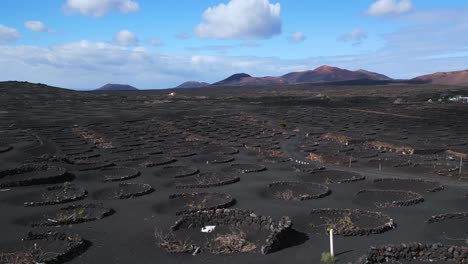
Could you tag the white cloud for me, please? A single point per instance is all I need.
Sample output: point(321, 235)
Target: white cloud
point(356, 36)
point(297, 37)
point(241, 19)
point(389, 7)
point(410, 51)
point(8, 34)
point(37, 26)
point(99, 8)
point(125, 38)
point(99, 62)
point(155, 42)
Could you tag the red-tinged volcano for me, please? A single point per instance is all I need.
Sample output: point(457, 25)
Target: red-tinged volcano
point(446, 78)
point(322, 74)
point(327, 73)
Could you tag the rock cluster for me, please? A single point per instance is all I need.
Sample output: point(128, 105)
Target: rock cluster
point(43, 174)
point(436, 187)
point(443, 217)
point(279, 234)
point(135, 190)
point(58, 194)
point(224, 217)
point(316, 191)
point(238, 218)
point(387, 225)
point(74, 245)
point(417, 251)
point(228, 202)
point(411, 198)
point(208, 180)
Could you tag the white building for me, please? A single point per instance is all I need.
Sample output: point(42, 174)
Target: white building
point(459, 98)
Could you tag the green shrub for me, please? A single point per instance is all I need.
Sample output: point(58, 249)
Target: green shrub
point(328, 258)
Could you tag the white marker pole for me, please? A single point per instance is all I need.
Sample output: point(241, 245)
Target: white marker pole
point(331, 243)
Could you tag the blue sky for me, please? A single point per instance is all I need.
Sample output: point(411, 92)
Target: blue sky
point(84, 44)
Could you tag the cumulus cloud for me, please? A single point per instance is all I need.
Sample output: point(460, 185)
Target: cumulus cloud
point(98, 8)
point(99, 62)
point(125, 38)
point(8, 34)
point(155, 42)
point(356, 36)
point(390, 7)
point(241, 19)
point(37, 26)
point(297, 37)
point(409, 52)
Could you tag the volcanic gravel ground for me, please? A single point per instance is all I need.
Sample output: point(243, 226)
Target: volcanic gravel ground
point(207, 130)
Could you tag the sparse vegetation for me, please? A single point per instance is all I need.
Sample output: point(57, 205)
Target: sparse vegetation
point(72, 215)
point(59, 193)
point(170, 243)
point(285, 195)
point(233, 242)
point(119, 193)
point(200, 205)
point(26, 256)
point(328, 258)
point(342, 139)
point(98, 141)
point(344, 223)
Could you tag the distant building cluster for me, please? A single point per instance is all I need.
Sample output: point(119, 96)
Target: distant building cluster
point(445, 97)
point(459, 99)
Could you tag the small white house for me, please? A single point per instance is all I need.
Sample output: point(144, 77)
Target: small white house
point(459, 99)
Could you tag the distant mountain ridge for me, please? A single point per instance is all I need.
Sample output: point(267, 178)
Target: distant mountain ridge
point(445, 78)
point(321, 74)
point(117, 87)
point(333, 75)
point(233, 79)
point(193, 84)
point(327, 73)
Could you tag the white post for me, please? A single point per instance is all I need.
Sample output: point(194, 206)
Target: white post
point(331, 243)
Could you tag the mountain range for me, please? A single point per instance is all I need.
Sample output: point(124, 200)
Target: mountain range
point(333, 75)
point(322, 74)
